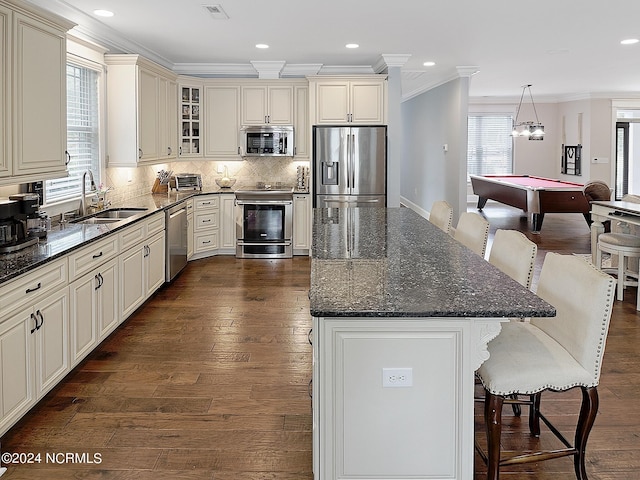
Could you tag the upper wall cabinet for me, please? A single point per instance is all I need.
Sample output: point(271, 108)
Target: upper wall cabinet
point(142, 106)
point(222, 120)
point(190, 119)
point(267, 104)
point(343, 100)
point(33, 109)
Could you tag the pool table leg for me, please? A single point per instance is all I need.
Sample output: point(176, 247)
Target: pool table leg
point(536, 222)
point(481, 202)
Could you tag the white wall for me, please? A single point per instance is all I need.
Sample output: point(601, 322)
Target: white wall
point(433, 119)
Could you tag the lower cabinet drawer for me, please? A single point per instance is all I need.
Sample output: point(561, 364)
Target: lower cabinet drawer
point(207, 241)
point(91, 256)
point(31, 286)
point(206, 220)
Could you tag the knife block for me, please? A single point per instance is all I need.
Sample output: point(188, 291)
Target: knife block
point(159, 188)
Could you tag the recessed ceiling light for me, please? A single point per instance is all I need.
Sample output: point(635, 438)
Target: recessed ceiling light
point(429, 64)
point(352, 45)
point(103, 13)
point(262, 45)
point(629, 41)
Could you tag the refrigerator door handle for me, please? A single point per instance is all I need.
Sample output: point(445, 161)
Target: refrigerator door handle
point(352, 155)
point(348, 161)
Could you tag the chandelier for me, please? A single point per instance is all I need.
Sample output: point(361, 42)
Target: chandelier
point(532, 130)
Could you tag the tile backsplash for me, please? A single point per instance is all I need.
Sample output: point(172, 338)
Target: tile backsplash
point(128, 183)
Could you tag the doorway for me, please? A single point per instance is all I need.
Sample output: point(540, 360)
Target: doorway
point(627, 153)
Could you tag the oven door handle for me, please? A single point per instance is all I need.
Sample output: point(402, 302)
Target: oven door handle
point(242, 243)
point(264, 202)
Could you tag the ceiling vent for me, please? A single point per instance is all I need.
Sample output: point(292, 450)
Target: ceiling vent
point(216, 12)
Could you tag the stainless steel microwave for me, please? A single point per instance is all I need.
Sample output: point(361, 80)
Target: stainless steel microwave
point(266, 141)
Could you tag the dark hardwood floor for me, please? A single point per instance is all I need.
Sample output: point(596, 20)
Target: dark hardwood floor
point(209, 380)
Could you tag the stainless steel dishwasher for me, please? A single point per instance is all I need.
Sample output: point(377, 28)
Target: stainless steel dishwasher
point(176, 240)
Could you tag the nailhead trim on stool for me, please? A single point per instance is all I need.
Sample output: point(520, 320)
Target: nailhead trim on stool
point(624, 246)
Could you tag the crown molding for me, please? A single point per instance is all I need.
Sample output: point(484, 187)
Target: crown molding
point(268, 69)
point(215, 69)
point(387, 60)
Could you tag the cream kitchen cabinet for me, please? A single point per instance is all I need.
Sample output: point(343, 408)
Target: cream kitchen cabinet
point(94, 309)
point(5, 97)
point(206, 219)
point(344, 100)
point(142, 104)
point(17, 392)
point(33, 133)
point(302, 129)
point(141, 263)
point(222, 121)
point(190, 242)
point(190, 120)
point(301, 223)
point(227, 224)
point(267, 104)
point(34, 353)
point(93, 295)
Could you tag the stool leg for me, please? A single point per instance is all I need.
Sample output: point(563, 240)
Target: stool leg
point(621, 270)
point(598, 258)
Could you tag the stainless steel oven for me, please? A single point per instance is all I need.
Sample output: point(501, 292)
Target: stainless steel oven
point(264, 223)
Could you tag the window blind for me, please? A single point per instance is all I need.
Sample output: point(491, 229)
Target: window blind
point(490, 145)
point(83, 139)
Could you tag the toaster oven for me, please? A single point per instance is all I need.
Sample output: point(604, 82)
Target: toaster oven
point(187, 181)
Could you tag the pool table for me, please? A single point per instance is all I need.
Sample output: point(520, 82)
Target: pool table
point(535, 195)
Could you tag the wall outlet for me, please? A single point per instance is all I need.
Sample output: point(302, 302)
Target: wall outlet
point(397, 377)
point(599, 160)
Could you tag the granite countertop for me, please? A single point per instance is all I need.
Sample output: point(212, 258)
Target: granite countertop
point(391, 262)
point(63, 239)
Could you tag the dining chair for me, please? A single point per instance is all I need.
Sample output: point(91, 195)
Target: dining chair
point(514, 254)
point(472, 231)
point(441, 215)
point(557, 353)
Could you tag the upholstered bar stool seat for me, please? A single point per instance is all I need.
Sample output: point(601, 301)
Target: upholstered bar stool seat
point(624, 246)
point(557, 353)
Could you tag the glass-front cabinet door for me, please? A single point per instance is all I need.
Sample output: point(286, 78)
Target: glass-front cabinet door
point(190, 121)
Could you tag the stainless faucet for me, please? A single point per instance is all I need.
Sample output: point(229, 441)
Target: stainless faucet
point(83, 200)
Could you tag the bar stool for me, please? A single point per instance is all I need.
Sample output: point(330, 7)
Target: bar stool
point(624, 246)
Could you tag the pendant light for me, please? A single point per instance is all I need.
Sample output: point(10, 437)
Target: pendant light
point(532, 130)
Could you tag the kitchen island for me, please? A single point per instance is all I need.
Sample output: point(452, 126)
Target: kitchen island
point(402, 314)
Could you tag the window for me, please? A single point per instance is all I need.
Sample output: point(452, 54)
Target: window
point(83, 133)
point(490, 145)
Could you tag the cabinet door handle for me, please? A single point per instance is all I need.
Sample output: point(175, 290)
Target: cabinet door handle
point(29, 290)
point(101, 279)
point(147, 251)
point(169, 150)
point(35, 319)
point(97, 280)
point(41, 317)
point(139, 153)
point(309, 336)
point(68, 155)
point(180, 150)
point(98, 255)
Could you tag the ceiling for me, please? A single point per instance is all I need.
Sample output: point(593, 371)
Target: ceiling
point(565, 49)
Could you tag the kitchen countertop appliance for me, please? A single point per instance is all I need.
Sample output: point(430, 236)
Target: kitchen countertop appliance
point(186, 181)
point(350, 166)
point(176, 240)
point(20, 222)
point(264, 221)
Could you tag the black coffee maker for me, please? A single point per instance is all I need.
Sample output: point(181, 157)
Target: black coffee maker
point(15, 214)
point(30, 214)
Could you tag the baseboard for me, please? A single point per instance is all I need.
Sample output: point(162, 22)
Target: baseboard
point(416, 208)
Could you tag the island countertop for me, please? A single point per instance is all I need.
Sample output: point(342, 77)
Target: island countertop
point(391, 262)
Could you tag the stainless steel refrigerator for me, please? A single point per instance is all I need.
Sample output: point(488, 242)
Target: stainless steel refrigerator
point(350, 166)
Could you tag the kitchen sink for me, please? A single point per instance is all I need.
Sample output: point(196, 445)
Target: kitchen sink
point(118, 213)
point(111, 215)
